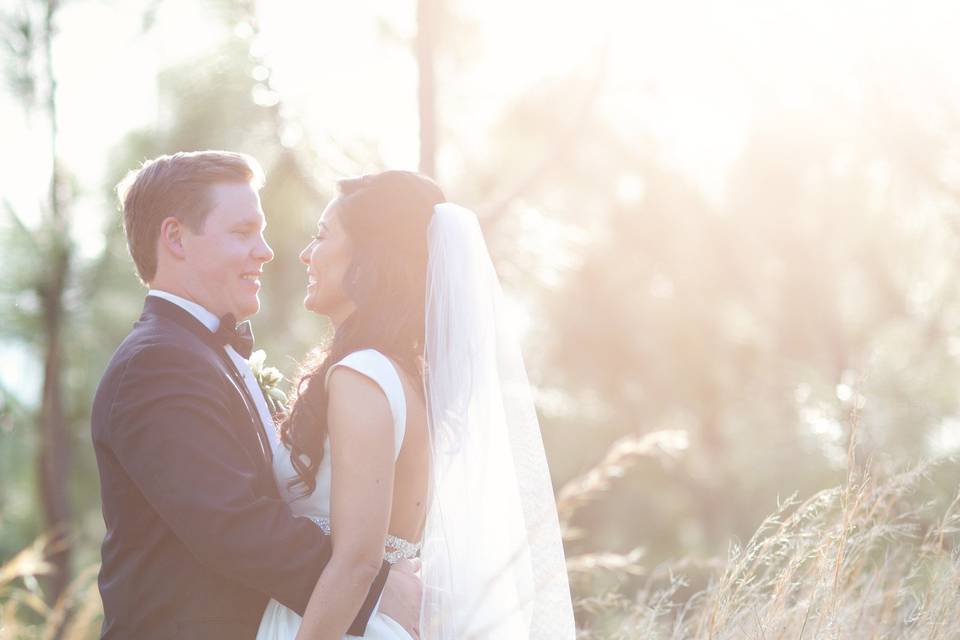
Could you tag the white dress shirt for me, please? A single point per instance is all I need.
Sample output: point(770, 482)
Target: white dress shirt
point(212, 323)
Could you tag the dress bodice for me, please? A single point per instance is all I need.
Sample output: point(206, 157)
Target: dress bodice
point(316, 505)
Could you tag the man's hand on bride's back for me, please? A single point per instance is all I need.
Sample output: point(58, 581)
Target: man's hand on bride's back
point(402, 594)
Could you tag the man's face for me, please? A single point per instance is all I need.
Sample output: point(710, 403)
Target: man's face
point(226, 257)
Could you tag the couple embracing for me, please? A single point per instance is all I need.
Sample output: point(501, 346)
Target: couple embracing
point(404, 493)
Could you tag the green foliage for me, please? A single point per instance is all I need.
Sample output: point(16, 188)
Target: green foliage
point(20, 37)
point(756, 319)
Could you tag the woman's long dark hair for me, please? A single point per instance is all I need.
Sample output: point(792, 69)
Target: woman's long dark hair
point(385, 216)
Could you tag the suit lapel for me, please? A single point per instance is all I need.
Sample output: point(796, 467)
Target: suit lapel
point(249, 403)
point(166, 309)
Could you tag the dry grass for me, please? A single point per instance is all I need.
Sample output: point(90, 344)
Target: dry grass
point(25, 615)
point(863, 560)
point(868, 559)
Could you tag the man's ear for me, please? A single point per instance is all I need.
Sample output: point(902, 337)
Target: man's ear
point(171, 236)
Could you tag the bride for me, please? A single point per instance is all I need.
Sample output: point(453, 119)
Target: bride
point(415, 434)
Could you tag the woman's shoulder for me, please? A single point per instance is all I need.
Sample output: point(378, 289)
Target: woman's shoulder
point(369, 362)
point(380, 369)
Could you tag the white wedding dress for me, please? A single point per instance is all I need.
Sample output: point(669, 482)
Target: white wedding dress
point(279, 622)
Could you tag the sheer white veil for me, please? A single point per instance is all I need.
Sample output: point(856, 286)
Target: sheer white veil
point(493, 564)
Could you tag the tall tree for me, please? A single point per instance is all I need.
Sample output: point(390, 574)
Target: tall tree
point(46, 274)
point(54, 455)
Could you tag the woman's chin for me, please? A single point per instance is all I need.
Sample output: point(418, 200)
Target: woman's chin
point(310, 303)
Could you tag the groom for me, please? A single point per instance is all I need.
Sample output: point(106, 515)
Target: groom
point(197, 537)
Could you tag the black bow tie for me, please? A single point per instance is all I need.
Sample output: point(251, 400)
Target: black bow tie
point(239, 336)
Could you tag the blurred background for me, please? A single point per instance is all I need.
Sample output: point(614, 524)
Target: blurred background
point(728, 231)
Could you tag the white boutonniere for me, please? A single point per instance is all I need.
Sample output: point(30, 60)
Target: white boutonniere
point(269, 380)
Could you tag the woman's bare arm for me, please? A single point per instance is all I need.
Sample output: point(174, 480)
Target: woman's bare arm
point(360, 426)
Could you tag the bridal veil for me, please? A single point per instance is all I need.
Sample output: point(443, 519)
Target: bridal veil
point(493, 564)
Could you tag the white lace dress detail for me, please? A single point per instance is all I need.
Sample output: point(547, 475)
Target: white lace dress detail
point(279, 622)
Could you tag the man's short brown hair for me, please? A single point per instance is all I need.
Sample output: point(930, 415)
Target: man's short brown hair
point(176, 185)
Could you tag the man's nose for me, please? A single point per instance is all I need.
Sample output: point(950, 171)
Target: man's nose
point(263, 251)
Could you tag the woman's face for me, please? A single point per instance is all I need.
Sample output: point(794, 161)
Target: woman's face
point(327, 258)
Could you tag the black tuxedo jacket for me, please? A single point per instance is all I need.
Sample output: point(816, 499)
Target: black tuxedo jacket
point(197, 538)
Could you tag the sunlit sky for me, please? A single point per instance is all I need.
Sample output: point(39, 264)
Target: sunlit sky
point(692, 73)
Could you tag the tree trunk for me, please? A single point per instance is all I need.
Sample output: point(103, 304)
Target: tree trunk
point(53, 458)
point(427, 20)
